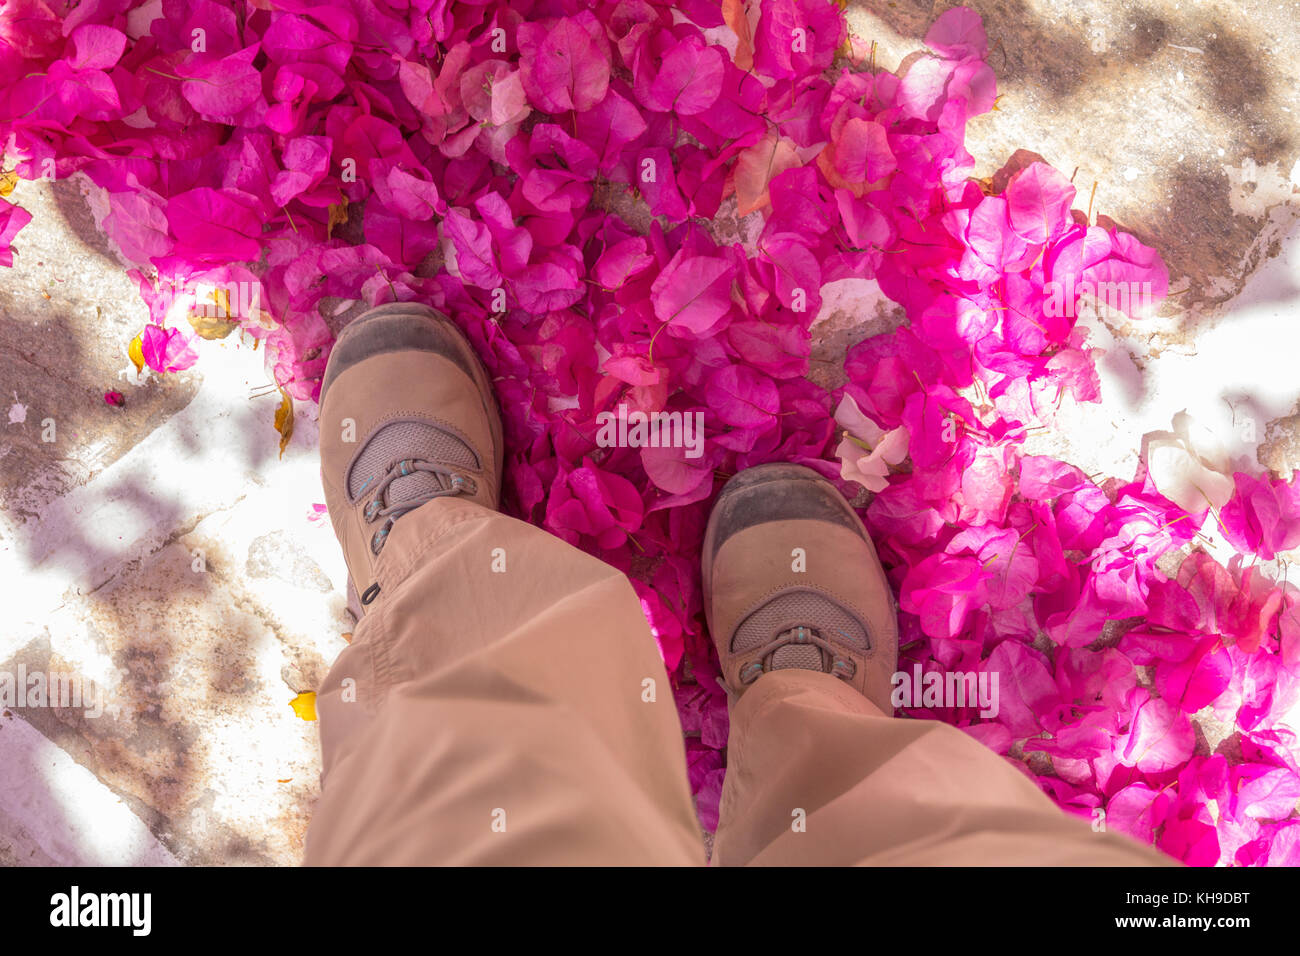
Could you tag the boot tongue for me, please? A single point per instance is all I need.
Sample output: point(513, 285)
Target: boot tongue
point(816, 612)
point(795, 654)
point(403, 440)
point(419, 484)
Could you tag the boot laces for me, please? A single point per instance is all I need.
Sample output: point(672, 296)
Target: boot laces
point(841, 666)
point(450, 482)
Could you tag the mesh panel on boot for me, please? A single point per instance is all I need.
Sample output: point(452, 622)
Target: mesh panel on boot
point(807, 656)
point(402, 440)
point(809, 610)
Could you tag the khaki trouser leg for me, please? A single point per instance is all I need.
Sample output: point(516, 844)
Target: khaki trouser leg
point(498, 718)
point(877, 790)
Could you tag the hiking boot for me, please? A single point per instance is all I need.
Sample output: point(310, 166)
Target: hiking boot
point(791, 580)
point(407, 415)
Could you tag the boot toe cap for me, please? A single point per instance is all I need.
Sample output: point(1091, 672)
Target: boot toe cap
point(398, 327)
point(778, 492)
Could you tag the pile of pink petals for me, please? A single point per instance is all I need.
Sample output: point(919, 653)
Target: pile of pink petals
point(467, 155)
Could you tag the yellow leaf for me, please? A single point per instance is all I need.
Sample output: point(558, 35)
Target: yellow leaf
point(284, 420)
point(214, 319)
point(210, 326)
point(304, 705)
point(8, 180)
point(338, 213)
point(136, 351)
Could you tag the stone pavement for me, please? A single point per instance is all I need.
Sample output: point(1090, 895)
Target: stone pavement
point(163, 551)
